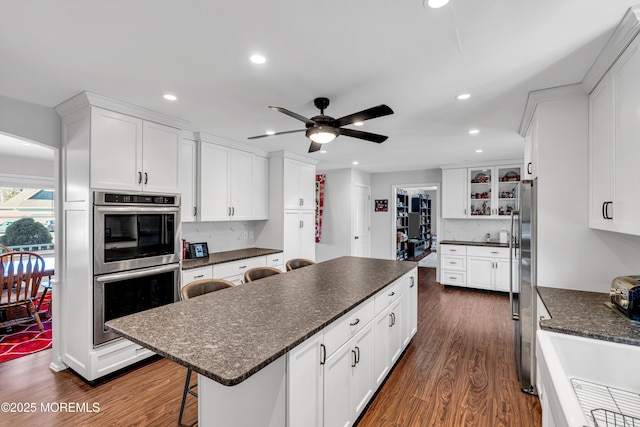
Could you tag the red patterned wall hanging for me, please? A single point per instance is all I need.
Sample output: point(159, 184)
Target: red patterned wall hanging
point(320, 179)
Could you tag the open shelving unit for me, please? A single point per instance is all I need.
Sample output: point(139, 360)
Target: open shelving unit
point(419, 225)
point(402, 224)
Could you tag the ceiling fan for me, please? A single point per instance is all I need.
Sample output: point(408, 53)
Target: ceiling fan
point(321, 129)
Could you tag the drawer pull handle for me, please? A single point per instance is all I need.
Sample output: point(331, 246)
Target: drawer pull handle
point(495, 253)
point(453, 262)
point(355, 323)
point(198, 276)
point(392, 294)
point(453, 250)
point(275, 260)
point(452, 278)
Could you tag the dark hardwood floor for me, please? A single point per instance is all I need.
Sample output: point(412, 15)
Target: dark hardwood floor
point(457, 371)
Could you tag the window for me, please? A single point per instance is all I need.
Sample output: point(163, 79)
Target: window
point(27, 219)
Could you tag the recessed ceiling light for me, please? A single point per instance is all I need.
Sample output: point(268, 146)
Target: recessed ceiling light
point(474, 131)
point(270, 132)
point(355, 162)
point(323, 151)
point(169, 97)
point(479, 150)
point(463, 96)
point(257, 59)
point(358, 123)
point(435, 3)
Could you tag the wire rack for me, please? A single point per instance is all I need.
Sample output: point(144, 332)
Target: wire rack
point(607, 406)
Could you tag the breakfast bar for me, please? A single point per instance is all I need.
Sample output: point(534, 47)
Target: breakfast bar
point(238, 340)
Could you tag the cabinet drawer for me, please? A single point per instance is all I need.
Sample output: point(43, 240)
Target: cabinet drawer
point(457, 278)
point(228, 269)
point(347, 326)
point(386, 296)
point(275, 260)
point(454, 262)
point(488, 252)
point(200, 273)
point(453, 249)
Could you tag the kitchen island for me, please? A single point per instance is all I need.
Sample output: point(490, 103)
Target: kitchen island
point(238, 339)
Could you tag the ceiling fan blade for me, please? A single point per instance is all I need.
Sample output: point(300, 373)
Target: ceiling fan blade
point(315, 146)
point(368, 136)
point(277, 133)
point(370, 113)
point(294, 115)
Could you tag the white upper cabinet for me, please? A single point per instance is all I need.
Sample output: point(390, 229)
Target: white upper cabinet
point(131, 154)
point(260, 187)
point(233, 184)
point(531, 151)
point(241, 185)
point(188, 170)
point(213, 186)
point(299, 185)
point(454, 193)
point(480, 192)
point(614, 125)
point(601, 156)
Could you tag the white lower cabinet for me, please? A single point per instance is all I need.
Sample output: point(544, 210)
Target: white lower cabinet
point(480, 267)
point(299, 235)
point(305, 383)
point(194, 274)
point(332, 376)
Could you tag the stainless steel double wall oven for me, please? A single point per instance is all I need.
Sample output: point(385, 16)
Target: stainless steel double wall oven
point(137, 250)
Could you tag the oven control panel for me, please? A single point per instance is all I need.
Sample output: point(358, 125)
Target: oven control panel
point(103, 198)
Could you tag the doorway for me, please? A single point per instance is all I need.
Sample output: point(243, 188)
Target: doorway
point(416, 221)
point(29, 203)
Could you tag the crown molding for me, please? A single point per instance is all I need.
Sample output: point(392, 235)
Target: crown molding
point(293, 156)
point(89, 99)
point(488, 163)
point(625, 32)
point(218, 140)
point(544, 95)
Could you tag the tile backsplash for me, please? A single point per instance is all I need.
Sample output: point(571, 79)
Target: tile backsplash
point(220, 236)
point(474, 230)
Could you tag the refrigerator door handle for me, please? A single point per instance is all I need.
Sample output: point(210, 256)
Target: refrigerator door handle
point(514, 314)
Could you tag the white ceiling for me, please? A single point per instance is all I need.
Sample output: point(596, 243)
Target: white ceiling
point(358, 53)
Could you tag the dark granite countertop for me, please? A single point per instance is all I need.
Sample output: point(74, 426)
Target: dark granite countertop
point(469, 243)
point(584, 314)
point(228, 256)
point(231, 334)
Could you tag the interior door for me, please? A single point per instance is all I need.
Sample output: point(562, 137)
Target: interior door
point(362, 222)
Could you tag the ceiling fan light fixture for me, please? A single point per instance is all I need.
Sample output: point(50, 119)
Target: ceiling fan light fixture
point(435, 3)
point(322, 134)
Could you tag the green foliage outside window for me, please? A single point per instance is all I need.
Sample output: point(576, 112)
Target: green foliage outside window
point(26, 231)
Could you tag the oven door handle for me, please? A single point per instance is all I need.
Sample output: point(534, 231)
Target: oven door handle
point(136, 273)
point(136, 209)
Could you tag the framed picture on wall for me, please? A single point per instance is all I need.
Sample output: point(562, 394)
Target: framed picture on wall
point(198, 250)
point(382, 205)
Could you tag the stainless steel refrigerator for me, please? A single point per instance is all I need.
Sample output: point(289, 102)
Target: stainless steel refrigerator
point(522, 292)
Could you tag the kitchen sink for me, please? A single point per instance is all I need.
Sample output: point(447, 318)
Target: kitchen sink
point(580, 375)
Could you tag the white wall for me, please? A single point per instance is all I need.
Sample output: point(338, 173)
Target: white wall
point(571, 255)
point(382, 223)
point(14, 170)
point(30, 121)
